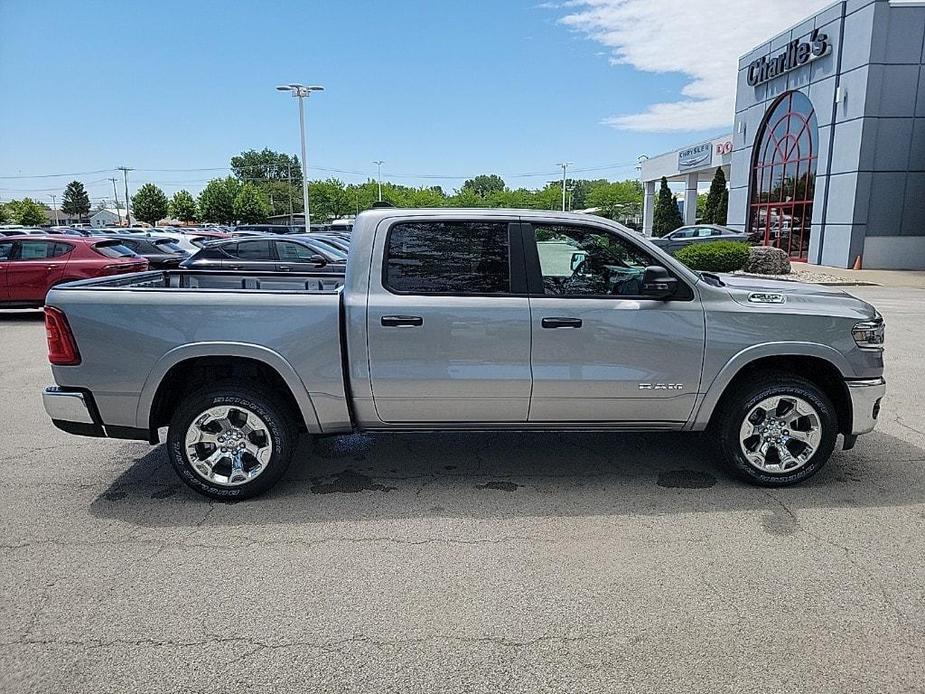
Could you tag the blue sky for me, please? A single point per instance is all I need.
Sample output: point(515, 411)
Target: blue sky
point(436, 89)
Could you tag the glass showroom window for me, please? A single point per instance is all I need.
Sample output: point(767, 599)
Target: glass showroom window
point(784, 176)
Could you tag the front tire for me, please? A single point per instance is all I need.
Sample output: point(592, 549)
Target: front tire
point(776, 429)
point(231, 441)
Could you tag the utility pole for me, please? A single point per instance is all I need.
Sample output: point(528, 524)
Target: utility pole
point(55, 205)
point(564, 166)
point(115, 197)
point(128, 209)
point(379, 164)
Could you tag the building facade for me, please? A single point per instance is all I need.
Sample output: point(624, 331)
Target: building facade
point(828, 144)
point(105, 217)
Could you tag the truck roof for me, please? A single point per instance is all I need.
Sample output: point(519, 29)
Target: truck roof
point(485, 212)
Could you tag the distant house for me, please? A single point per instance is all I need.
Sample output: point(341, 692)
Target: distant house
point(59, 217)
point(105, 217)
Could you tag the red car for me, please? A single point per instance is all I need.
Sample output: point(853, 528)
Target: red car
point(31, 265)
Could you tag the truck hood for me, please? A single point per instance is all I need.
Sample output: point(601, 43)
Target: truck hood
point(797, 296)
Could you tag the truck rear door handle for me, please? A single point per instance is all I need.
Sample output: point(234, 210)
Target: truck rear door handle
point(401, 321)
point(236, 267)
point(561, 322)
point(283, 268)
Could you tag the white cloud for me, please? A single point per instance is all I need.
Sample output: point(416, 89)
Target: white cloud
point(702, 40)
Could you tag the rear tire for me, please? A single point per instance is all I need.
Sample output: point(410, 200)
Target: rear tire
point(231, 441)
point(776, 429)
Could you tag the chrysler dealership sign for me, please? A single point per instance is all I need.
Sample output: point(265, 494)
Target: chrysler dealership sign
point(796, 54)
point(695, 157)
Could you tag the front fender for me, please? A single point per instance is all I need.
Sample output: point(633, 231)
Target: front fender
point(230, 349)
point(711, 395)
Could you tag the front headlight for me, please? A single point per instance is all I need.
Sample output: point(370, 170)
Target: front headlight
point(869, 334)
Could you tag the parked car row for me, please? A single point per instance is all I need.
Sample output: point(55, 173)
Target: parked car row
point(33, 260)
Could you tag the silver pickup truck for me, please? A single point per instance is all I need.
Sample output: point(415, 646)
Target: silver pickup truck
point(464, 319)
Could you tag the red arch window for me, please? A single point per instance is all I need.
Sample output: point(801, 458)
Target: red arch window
point(783, 179)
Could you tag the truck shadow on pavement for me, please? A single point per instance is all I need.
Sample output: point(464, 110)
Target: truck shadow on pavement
point(491, 475)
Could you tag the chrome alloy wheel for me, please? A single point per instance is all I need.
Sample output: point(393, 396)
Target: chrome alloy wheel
point(228, 445)
point(780, 434)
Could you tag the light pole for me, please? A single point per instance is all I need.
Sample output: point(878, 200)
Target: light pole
point(564, 166)
point(55, 205)
point(300, 91)
point(379, 164)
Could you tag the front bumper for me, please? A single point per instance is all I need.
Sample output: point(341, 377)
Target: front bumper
point(71, 411)
point(865, 404)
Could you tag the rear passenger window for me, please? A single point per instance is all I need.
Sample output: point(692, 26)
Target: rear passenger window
point(35, 250)
point(5, 250)
point(254, 250)
point(448, 258)
point(62, 249)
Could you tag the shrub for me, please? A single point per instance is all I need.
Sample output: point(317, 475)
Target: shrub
point(718, 256)
point(766, 260)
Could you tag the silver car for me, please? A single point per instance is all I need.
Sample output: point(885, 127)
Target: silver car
point(699, 233)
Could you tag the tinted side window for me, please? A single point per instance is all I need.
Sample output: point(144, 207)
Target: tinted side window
point(6, 249)
point(254, 250)
point(286, 250)
point(35, 250)
point(579, 261)
point(448, 258)
point(62, 249)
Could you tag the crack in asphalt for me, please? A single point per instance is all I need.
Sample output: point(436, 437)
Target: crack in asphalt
point(901, 618)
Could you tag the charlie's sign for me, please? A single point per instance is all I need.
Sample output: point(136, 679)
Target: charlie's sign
point(796, 54)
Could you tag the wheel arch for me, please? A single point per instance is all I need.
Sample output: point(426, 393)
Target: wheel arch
point(821, 365)
point(189, 366)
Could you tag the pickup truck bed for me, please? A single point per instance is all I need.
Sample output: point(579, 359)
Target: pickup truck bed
point(219, 279)
point(289, 321)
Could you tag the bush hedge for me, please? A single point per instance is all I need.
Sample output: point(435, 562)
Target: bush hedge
point(716, 256)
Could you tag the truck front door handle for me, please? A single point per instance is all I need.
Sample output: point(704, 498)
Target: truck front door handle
point(561, 322)
point(401, 321)
point(284, 268)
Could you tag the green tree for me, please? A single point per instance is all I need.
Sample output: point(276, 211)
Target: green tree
point(27, 212)
point(666, 216)
point(722, 209)
point(484, 185)
point(251, 205)
point(216, 201)
point(715, 198)
point(266, 165)
point(329, 199)
point(75, 200)
point(149, 204)
point(618, 199)
point(183, 206)
point(4, 214)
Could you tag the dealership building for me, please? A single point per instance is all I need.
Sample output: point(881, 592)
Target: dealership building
point(827, 153)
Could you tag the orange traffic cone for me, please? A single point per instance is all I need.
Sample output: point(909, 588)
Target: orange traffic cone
point(857, 263)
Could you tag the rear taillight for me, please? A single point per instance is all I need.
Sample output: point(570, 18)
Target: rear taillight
point(62, 349)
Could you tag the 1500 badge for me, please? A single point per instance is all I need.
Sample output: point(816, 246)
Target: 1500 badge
point(661, 386)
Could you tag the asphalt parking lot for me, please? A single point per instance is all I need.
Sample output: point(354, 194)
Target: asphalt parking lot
point(464, 563)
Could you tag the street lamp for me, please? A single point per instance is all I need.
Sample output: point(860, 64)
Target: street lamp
point(54, 204)
point(379, 164)
point(300, 91)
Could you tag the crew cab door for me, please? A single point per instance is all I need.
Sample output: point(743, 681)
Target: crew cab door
point(603, 352)
point(448, 334)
